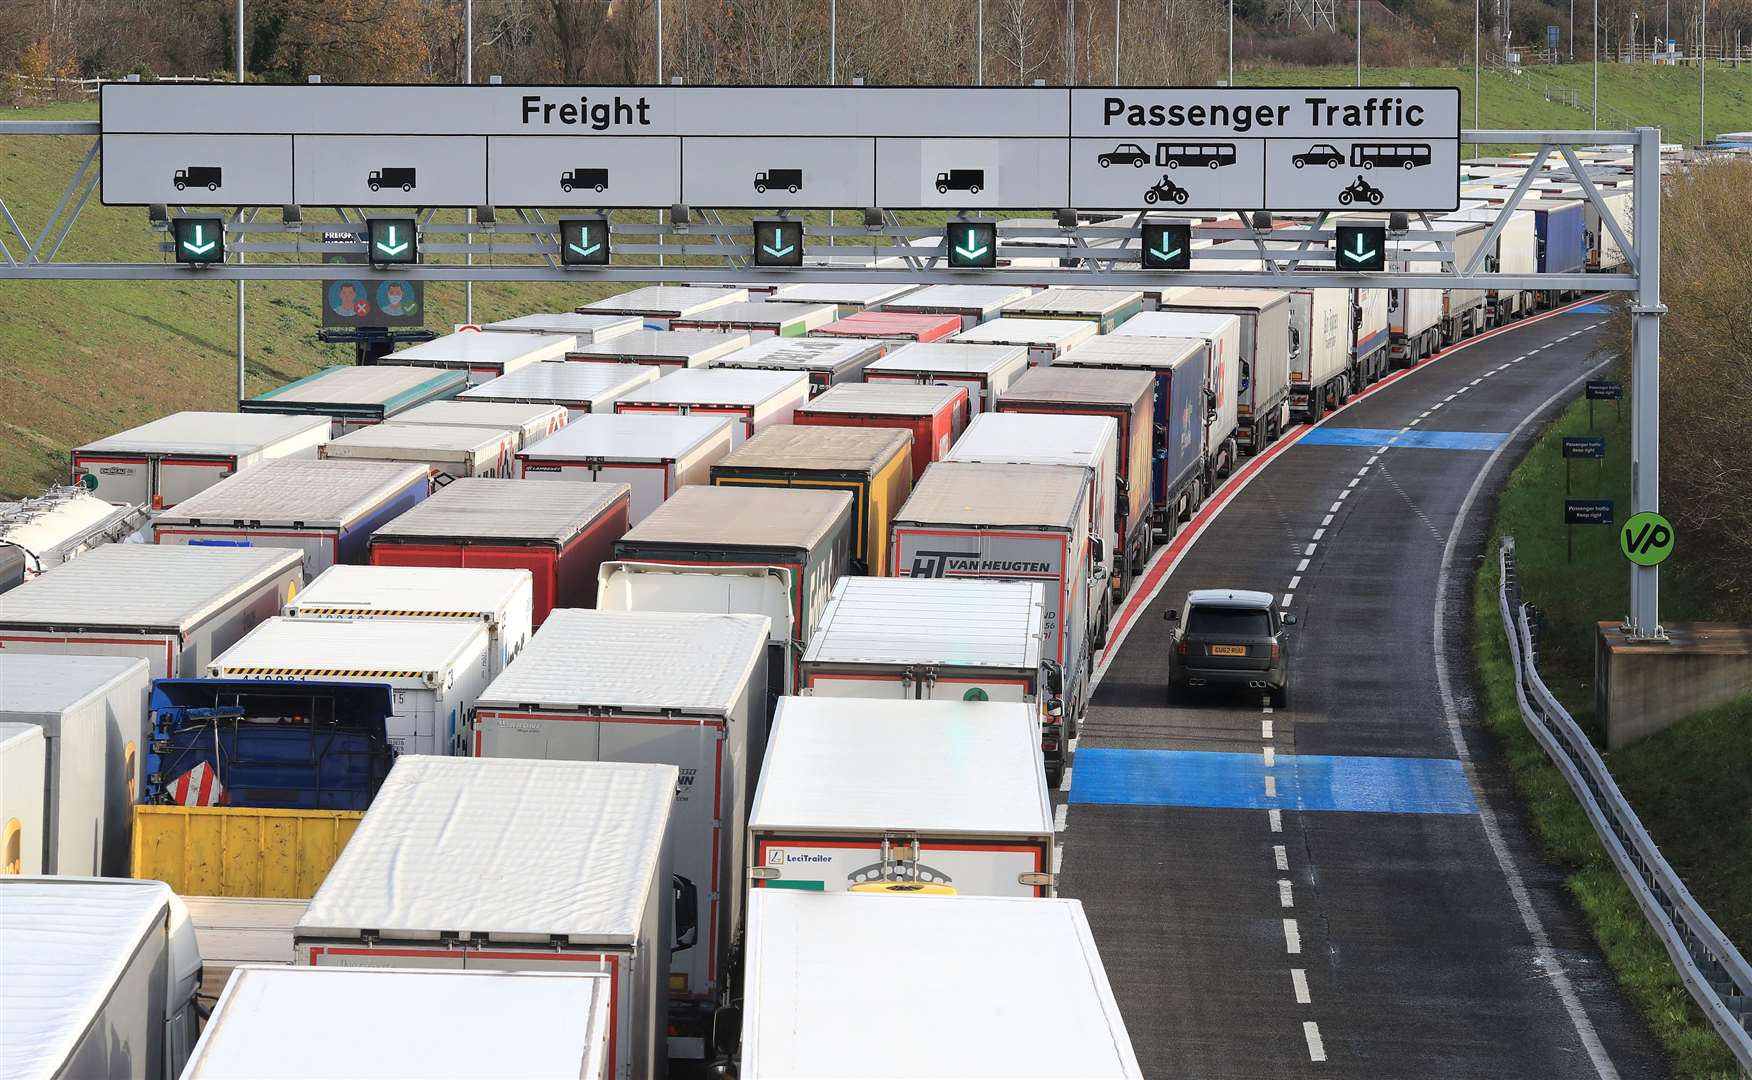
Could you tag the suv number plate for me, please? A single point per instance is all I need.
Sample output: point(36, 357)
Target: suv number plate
point(1228, 650)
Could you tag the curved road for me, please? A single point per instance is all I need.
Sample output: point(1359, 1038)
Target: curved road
point(1336, 888)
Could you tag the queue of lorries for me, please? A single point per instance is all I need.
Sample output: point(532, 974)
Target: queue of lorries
point(679, 678)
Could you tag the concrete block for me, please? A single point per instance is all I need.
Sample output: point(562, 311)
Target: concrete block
point(1641, 687)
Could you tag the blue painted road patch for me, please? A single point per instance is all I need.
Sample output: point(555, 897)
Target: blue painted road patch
point(1591, 309)
point(1380, 785)
point(1415, 439)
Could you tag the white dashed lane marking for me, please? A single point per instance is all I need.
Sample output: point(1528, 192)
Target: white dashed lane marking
point(1299, 981)
point(1292, 937)
point(1316, 1048)
point(1286, 893)
point(1276, 818)
point(1280, 857)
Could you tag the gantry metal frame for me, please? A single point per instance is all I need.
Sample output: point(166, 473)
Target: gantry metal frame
point(884, 252)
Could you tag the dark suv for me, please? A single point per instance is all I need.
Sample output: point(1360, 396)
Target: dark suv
point(1229, 637)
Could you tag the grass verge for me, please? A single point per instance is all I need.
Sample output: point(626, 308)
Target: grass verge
point(1691, 785)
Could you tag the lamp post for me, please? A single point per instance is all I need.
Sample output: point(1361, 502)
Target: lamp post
point(468, 77)
point(1596, 65)
point(1359, 42)
point(242, 378)
point(1231, 43)
point(1476, 17)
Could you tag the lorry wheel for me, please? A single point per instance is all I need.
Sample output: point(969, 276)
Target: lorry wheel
point(1231, 454)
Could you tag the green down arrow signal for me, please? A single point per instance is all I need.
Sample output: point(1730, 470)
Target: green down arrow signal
point(969, 251)
point(391, 247)
point(195, 246)
point(775, 251)
point(1359, 255)
point(1164, 254)
point(585, 252)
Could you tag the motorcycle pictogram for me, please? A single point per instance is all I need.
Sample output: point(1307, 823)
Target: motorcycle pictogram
point(1360, 190)
point(1166, 190)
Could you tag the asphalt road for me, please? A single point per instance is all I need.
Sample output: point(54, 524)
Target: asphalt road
point(1337, 888)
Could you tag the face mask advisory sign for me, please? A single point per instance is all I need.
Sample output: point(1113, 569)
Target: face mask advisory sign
point(363, 301)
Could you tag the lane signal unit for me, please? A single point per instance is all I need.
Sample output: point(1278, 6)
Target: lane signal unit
point(1361, 247)
point(972, 244)
point(584, 241)
point(778, 242)
point(1167, 245)
point(392, 241)
point(198, 241)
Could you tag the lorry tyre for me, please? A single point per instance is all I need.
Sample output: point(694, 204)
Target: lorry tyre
point(1231, 454)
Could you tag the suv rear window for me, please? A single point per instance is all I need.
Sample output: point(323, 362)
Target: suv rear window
point(1228, 622)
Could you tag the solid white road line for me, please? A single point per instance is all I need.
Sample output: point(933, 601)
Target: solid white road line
point(1299, 981)
point(1060, 817)
point(1292, 937)
point(1276, 817)
point(1280, 857)
point(1316, 1048)
point(1286, 895)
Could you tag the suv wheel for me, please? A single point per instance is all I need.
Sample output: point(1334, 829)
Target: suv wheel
point(1280, 698)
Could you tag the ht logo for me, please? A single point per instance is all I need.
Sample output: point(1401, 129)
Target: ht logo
point(933, 564)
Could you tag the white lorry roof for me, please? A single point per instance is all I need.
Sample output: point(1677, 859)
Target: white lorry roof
point(951, 356)
point(821, 292)
point(144, 586)
point(766, 313)
point(380, 384)
point(698, 516)
point(208, 433)
point(1036, 439)
point(887, 398)
point(944, 621)
point(464, 592)
point(1010, 331)
point(585, 327)
point(808, 448)
point(980, 298)
point(416, 439)
point(562, 383)
point(1166, 323)
point(674, 301)
point(459, 412)
point(545, 1025)
point(977, 494)
point(631, 437)
point(485, 508)
point(694, 346)
point(1142, 352)
point(1087, 386)
point(1246, 299)
point(466, 349)
point(36, 686)
point(956, 767)
point(955, 993)
point(716, 386)
point(506, 849)
point(318, 493)
point(66, 941)
point(801, 354)
point(425, 649)
point(1092, 301)
point(633, 660)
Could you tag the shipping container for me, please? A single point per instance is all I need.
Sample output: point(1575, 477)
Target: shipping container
point(559, 532)
point(662, 350)
point(752, 400)
point(956, 986)
point(555, 866)
point(1414, 316)
point(807, 534)
point(1086, 442)
point(326, 510)
point(484, 356)
point(973, 303)
point(501, 600)
point(101, 979)
point(1177, 453)
point(873, 464)
point(161, 463)
point(40, 532)
point(1045, 339)
point(580, 389)
point(655, 454)
point(92, 714)
point(24, 798)
point(846, 298)
point(759, 319)
point(1012, 523)
point(1222, 376)
point(1128, 398)
point(355, 397)
point(934, 415)
point(658, 305)
point(588, 329)
point(1263, 380)
point(448, 452)
point(243, 852)
point(175, 607)
point(984, 371)
point(436, 669)
point(891, 326)
point(1106, 308)
point(959, 803)
point(827, 362)
point(685, 690)
point(543, 1024)
point(531, 423)
point(1320, 349)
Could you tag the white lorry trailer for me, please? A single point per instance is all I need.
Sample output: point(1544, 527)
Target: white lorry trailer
point(752, 400)
point(175, 607)
point(163, 462)
point(663, 351)
point(588, 329)
point(435, 670)
point(529, 421)
point(984, 371)
point(92, 714)
point(679, 689)
point(1045, 339)
point(500, 600)
point(1014, 523)
point(580, 389)
point(356, 397)
point(484, 356)
point(654, 454)
point(545, 1025)
point(1320, 349)
point(658, 305)
point(827, 361)
point(1222, 376)
point(1414, 316)
point(449, 452)
point(101, 978)
point(24, 798)
point(1262, 390)
point(960, 801)
point(918, 971)
point(514, 866)
point(327, 511)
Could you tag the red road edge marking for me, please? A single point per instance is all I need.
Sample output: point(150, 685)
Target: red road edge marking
point(1167, 558)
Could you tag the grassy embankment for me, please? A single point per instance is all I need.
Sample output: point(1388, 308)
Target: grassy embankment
point(1691, 785)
